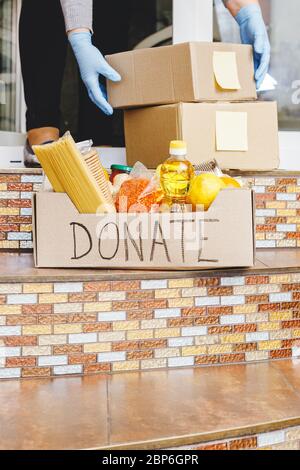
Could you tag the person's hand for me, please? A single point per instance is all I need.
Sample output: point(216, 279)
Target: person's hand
point(254, 32)
point(92, 64)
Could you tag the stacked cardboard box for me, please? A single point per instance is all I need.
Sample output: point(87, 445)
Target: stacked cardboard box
point(203, 93)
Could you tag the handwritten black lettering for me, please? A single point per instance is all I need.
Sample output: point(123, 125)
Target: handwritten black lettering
point(138, 249)
point(74, 225)
point(182, 221)
point(157, 228)
point(109, 258)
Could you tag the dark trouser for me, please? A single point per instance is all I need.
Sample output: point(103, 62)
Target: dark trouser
point(43, 48)
point(111, 29)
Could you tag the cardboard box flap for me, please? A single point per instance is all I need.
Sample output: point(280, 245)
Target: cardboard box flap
point(230, 205)
point(34, 229)
point(254, 224)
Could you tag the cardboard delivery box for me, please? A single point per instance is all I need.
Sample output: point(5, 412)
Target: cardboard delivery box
point(221, 237)
point(240, 136)
point(191, 72)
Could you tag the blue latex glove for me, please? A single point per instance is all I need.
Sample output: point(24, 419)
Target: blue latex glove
point(92, 64)
point(254, 32)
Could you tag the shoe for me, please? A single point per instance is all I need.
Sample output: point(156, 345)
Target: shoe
point(30, 159)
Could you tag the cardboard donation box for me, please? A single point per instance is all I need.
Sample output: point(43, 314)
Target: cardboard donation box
point(221, 237)
point(190, 72)
point(240, 136)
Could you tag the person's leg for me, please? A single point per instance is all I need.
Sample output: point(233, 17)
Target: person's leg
point(43, 46)
point(110, 36)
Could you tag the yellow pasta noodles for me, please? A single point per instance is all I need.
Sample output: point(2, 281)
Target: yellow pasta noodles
point(68, 173)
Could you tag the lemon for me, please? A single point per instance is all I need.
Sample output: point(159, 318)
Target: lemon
point(204, 190)
point(230, 182)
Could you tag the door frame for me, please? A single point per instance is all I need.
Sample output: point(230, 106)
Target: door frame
point(20, 100)
point(194, 23)
point(20, 106)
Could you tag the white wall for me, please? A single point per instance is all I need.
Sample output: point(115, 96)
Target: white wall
point(192, 20)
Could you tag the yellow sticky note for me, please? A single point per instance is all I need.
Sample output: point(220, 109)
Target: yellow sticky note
point(231, 131)
point(226, 70)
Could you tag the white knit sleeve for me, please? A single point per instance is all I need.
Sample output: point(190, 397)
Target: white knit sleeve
point(78, 14)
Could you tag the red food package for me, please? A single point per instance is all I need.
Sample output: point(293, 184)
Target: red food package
point(152, 196)
point(142, 193)
point(129, 194)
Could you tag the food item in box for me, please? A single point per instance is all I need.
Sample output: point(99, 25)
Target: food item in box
point(204, 190)
point(138, 195)
point(69, 173)
point(153, 195)
point(172, 186)
point(230, 182)
point(213, 167)
point(128, 196)
point(118, 181)
point(176, 174)
point(100, 174)
point(140, 192)
point(131, 187)
point(119, 170)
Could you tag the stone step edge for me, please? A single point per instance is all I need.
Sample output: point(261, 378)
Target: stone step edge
point(204, 438)
point(115, 275)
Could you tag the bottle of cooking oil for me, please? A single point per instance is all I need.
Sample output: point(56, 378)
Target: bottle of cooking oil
point(176, 174)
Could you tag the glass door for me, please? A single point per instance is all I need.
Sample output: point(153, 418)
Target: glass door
point(8, 66)
point(150, 23)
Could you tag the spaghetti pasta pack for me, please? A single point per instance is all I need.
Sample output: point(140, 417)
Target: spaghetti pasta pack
point(68, 172)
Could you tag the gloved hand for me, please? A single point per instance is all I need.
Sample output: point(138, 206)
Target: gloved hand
point(254, 32)
point(92, 64)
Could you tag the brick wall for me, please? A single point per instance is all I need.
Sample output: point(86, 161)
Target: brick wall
point(15, 210)
point(50, 329)
point(277, 211)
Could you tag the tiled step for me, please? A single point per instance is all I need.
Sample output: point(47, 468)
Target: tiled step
point(82, 322)
point(253, 406)
point(278, 208)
